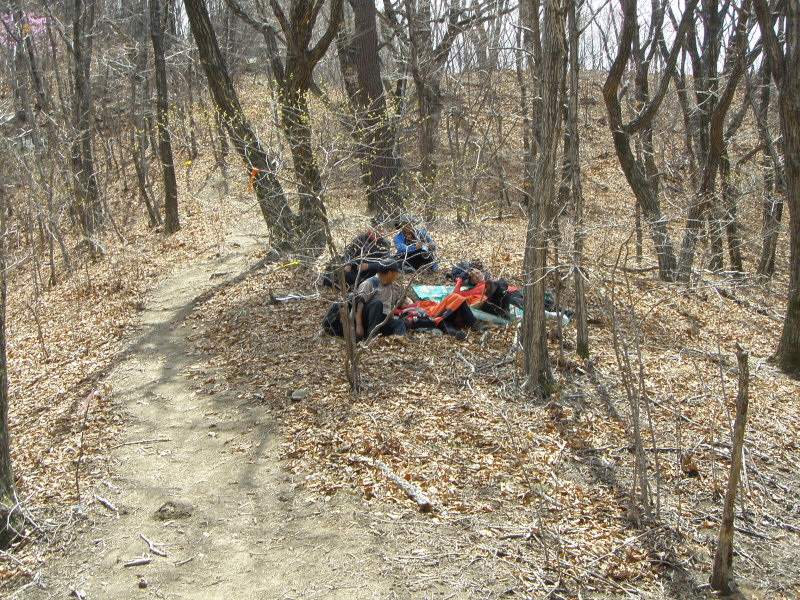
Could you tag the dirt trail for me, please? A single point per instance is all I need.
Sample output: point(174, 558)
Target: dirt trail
point(250, 533)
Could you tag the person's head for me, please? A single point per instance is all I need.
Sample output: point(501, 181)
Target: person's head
point(387, 272)
point(406, 224)
point(374, 228)
point(406, 302)
point(475, 276)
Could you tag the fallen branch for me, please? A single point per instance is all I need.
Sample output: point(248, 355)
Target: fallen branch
point(140, 442)
point(152, 548)
point(106, 503)
point(412, 491)
point(145, 560)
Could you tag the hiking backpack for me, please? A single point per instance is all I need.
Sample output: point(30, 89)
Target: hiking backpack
point(332, 321)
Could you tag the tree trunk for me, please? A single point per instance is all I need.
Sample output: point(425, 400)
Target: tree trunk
point(699, 211)
point(8, 499)
point(730, 195)
point(171, 221)
point(722, 574)
point(773, 178)
point(621, 134)
point(581, 318)
point(88, 206)
point(296, 122)
point(138, 138)
point(784, 63)
point(374, 133)
point(271, 199)
point(420, 36)
point(294, 84)
point(547, 110)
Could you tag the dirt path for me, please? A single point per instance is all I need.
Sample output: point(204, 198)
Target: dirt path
point(232, 523)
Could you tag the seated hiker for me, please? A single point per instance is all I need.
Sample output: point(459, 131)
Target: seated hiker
point(415, 247)
point(450, 314)
point(376, 298)
point(489, 295)
point(361, 256)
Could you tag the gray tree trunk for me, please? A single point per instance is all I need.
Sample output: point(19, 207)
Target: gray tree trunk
point(171, 220)
point(784, 63)
point(549, 76)
point(88, 205)
point(7, 491)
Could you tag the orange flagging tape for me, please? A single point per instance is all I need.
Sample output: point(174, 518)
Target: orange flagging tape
point(253, 174)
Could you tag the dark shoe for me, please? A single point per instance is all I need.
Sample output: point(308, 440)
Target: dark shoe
point(478, 326)
point(459, 335)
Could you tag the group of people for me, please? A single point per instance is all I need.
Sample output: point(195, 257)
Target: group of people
point(371, 268)
point(414, 249)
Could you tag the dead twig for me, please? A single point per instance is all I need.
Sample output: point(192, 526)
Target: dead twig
point(412, 491)
point(153, 441)
point(152, 548)
point(106, 503)
point(144, 560)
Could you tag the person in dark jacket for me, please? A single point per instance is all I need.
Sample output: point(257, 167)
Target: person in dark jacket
point(361, 256)
point(415, 248)
point(376, 298)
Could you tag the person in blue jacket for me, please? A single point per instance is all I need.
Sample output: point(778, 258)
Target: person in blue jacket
point(415, 247)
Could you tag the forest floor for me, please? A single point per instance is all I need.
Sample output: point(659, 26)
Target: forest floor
point(220, 453)
point(197, 492)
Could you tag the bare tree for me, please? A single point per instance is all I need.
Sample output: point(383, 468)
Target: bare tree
point(772, 205)
point(636, 173)
point(373, 128)
point(548, 84)
point(715, 105)
point(88, 205)
point(7, 492)
point(171, 221)
point(305, 47)
point(269, 191)
point(572, 152)
point(784, 63)
point(426, 61)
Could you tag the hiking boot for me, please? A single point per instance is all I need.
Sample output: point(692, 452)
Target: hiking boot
point(478, 326)
point(460, 335)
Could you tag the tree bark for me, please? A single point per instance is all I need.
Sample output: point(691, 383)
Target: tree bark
point(271, 199)
point(730, 195)
point(581, 319)
point(171, 220)
point(734, 66)
point(772, 206)
point(374, 128)
point(294, 81)
point(301, 58)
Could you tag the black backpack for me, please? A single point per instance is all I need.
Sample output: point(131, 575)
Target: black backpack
point(332, 321)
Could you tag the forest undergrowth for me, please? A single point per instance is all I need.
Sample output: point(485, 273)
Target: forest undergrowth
point(542, 489)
